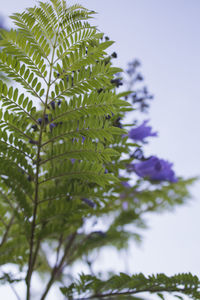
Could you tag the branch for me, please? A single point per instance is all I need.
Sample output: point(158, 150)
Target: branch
point(57, 268)
point(32, 258)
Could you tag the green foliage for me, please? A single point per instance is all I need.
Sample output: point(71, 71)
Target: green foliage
point(123, 286)
point(62, 155)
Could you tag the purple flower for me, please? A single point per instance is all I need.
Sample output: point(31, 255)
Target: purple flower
point(51, 126)
point(39, 121)
point(46, 118)
point(141, 132)
point(154, 169)
point(89, 202)
point(53, 104)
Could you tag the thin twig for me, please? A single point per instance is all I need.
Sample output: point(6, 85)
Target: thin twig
point(58, 248)
point(57, 268)
point(3, 222)
point(7, 231)
point(15, 292)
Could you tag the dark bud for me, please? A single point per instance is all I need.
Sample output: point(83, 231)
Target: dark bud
point(138, 154)
point(145, 90)
point(53, 104)
point(101, 233)
point(108, 117)
point(114, 55)
point(132, 67)
point(107, 60)
point(99, 90)
point(136, 63)
point(117, 82)
point(139, 77)
point(134, 95)
point(107, 38)
point(34, 127)
point(35, 161)
point(89, 202)
point(117, 123)
point(58, 75)
point(39, 121)
point(33, 142)
point(46, 118)
point(86, 51)
point(59, 102)
point(29, 178)
point(51, 126)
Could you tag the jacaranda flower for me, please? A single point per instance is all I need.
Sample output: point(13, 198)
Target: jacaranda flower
point(51, 126)
point(154, 169)
point(141, 132)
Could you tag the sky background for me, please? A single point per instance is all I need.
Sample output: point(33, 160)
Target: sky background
point(165, 37)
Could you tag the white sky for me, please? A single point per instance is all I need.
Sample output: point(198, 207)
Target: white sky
point(164, 36)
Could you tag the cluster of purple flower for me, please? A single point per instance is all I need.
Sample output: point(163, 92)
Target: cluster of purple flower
point(153, 168)
point(141, 132)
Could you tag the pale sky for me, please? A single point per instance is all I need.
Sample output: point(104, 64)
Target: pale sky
point(165, 37)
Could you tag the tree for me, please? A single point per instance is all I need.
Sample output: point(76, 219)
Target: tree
point(66, 158)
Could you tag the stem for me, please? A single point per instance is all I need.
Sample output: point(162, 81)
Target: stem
point(57, 268)
point(32, 257)
point(30, 263)
point(7, 231)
